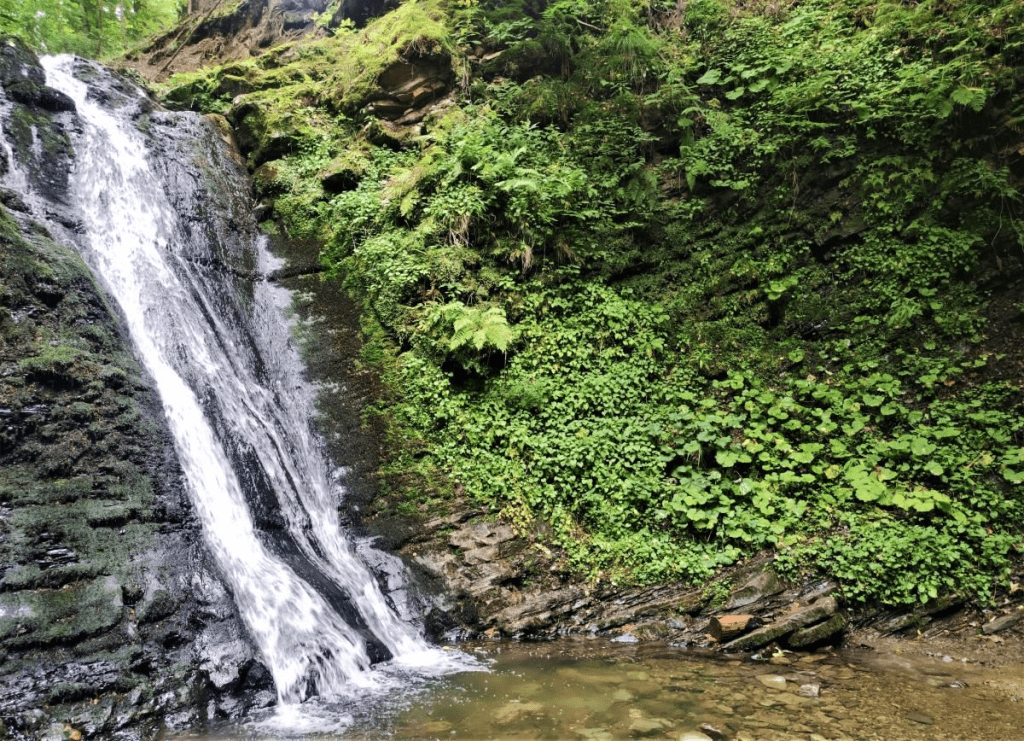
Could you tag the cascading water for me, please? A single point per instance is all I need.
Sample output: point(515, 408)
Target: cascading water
point(240, 418)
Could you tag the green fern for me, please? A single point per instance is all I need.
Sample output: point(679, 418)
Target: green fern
point(973, 97)
point(480, 328)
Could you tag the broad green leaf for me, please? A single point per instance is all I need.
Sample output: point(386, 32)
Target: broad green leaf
point(726, 458)
point(920, 446)
point(710, 77)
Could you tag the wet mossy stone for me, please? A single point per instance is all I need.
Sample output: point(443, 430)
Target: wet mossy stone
point(46, 617)
point(159, 605)
point(18, 62)
point(42, 148)
point(815, 634)
point(40, 96)
point(10, 198)
point(24, 80)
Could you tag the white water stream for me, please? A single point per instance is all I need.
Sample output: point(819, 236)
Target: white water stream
point(131, 239)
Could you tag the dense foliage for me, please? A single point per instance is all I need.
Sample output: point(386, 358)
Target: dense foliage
point(675, 284)
point(92, 28)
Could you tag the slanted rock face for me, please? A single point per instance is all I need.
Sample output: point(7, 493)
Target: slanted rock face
point(408, 86)
point(111, 617)
point(219, 31)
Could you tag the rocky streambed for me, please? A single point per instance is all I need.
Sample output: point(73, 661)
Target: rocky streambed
point(602, 690)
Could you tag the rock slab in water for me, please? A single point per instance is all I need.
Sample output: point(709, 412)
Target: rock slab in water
point(809, 690)
point(646, 727)
point(921, 718)
point(772, 681)
point(786, 624)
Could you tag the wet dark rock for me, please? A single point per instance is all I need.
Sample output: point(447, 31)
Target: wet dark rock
point(918, 618)
point(1002, 623)
point(40, 96)
point(10, 198)
point(105, 585)
point(817, 634)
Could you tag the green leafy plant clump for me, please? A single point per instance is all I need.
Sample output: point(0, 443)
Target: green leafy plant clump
point(685, 283)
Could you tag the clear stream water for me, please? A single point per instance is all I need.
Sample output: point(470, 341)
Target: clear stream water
point(598, 690)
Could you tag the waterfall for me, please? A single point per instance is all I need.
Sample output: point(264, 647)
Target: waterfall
point(240, 416)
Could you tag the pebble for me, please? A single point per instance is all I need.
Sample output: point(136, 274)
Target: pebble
point(695, 736)
point(772, 681)
point(809, 690)
point(792, 700)
point(920, 718)
point(711, 731)
point(646, 726)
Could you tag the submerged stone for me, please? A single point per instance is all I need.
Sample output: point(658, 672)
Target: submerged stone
point(772, 681)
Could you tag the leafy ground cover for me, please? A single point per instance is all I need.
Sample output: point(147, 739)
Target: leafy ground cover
point(669, 285)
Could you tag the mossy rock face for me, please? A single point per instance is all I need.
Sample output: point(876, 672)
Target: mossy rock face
point(41, 148)
point(44, 617)
point(105, 583)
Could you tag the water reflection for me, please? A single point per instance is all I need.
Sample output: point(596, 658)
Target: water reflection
point(595, 690)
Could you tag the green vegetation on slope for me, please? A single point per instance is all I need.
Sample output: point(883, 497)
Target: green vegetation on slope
point(681, 283)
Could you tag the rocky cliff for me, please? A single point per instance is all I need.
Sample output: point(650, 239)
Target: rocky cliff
point(112, 619)
point(219, 31)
